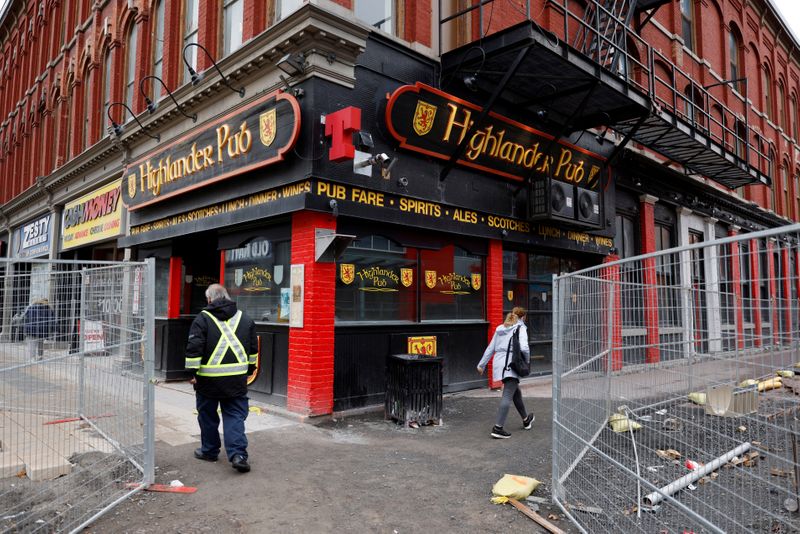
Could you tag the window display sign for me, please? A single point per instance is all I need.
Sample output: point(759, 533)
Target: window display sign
point(93, 217)
point(434, 123)
point(254, 136)
point(32, 240)
point(375, 278)
point(297, 284)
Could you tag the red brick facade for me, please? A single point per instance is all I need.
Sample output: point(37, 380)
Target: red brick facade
point(310, 388)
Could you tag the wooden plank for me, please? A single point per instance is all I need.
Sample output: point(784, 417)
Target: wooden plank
point(550, 527)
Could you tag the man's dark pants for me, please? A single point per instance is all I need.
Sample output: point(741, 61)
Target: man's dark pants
point(234, 413)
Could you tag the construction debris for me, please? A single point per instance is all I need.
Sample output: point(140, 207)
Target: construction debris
point(620, 423)
point(785, 373)
point(770, 383)
point(669, 454)
point(536, 517)
point(698, 398)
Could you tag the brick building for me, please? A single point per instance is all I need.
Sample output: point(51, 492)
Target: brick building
point(371, 177)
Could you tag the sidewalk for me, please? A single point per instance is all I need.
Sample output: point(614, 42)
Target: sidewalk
point(354, 473)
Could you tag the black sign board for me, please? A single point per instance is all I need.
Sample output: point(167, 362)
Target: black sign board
point(434, 123)
point(258, 134)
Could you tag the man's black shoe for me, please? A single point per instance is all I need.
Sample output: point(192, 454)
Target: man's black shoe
point(239, 463)
point(198, 453)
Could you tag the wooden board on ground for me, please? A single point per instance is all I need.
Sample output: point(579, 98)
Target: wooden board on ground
point(536, 517)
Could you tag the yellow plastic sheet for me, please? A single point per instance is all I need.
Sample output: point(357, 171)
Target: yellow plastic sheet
point(698, 398)
point(785, 373)
point(515, 486)
point(620, 423)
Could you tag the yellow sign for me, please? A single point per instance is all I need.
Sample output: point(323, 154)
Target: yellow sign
point(407, 276)
point(422, 345)
point(93, 217)
point(423, 117)
point(267, 126)
point(347, 272)
point(430, 279)
point(476, 281)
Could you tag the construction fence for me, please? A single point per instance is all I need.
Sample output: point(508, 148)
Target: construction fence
point(76, 390)
point(674, 388)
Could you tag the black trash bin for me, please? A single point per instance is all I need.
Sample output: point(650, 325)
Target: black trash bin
point(414, 389)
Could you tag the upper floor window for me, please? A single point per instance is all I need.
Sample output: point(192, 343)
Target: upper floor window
point(793, 115)
point(735, 52)
point(283, 8)
point(87, 106)
point(158, 45)
point(130, 67)
point(781, 104)
point(797, 193)
point(379, 14)
point(232, 16)
point(106, 84)
point(768, 98)
point(190, 26)
point(786, 208)
point(687, 23)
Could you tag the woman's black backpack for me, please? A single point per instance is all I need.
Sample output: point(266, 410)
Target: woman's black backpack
point(518, 363)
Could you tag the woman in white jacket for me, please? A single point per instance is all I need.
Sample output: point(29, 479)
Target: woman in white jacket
point(501, 372)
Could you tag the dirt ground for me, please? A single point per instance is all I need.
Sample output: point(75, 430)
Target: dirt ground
point(355, 474)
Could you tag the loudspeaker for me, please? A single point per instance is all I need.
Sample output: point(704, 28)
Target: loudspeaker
point(551, 199)
point(587, 206)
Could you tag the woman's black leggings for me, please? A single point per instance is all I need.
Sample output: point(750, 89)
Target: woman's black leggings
point(511, 393)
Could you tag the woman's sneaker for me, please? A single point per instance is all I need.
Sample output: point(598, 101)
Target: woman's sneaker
point(527, 423)
point(499, 433)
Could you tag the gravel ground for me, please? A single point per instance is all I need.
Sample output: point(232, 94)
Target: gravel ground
point(357, 474)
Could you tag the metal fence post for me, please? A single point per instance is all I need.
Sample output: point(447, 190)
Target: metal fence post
point(556, 394)
point(82, 349)
point(149, 371)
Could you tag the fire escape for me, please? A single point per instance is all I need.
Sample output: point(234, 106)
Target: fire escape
point(591, 70)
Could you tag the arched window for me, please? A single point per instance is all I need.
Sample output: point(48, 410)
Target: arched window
point(735, 53)
point(695, 113)
point(190, 25)
point(781, 106)
point(793, 116)
point(87, 106)
point(796, 193)
point(786, 208)
point(687, 23)
point(775, 185)
point(130, 68)
point(232, 17)
point(739, 138)
point(158, 45)
point(106, 86)
point(768, 98)
point(56, 128)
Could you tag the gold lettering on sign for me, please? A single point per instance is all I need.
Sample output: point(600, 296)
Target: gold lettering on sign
point(257, 279)
point(380, 279)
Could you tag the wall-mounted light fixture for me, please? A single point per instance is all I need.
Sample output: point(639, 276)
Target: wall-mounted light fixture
point(292, 64)
point(197, 78)
point(151, 106)
point(117, 128)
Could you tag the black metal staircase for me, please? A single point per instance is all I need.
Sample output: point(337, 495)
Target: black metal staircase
point(583, 75)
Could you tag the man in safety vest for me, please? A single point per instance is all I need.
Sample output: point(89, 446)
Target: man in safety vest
point(220, 354)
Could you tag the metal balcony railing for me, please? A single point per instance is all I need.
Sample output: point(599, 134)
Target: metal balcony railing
point(706, 129)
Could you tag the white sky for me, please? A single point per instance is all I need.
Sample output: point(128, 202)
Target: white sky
point(790, 10)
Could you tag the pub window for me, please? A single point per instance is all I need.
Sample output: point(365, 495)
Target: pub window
point(377, 280)
point(130, 70)
point(667, 277)
point(232, 17)
point(379, 14)
point(452, 285)
point(256, 276)
point(515, 280)
point(190, 26)
point(631, 290)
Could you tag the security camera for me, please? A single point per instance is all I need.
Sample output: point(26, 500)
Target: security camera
point(402, 181)
point(382, 159)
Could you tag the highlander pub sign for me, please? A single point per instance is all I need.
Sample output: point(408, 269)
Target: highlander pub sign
point(258, 134)
point(434, 123)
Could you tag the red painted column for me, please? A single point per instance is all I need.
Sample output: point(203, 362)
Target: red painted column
point(174, 288)
point(494, 296)
point(222, 267)
point(612, 276)
point(787, 296)
point(773, 292)
point(310, 387)
point(650, 290)
point(755, 296)
point(736, 275)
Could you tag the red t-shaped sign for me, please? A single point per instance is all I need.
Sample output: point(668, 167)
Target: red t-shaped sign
point(341, 125)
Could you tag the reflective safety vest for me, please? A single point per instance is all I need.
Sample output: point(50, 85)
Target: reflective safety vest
point(227, 340)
